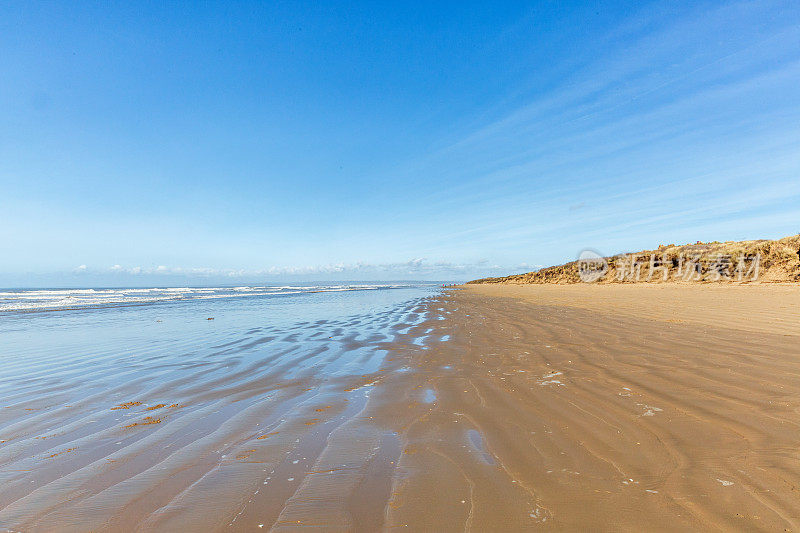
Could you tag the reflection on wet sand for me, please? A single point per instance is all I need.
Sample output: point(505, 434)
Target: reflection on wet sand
point(223, 434)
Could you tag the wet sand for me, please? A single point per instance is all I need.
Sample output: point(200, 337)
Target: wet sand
point(491, 408)
point(616, 408)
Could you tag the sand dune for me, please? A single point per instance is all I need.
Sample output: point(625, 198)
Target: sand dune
point(763, 260)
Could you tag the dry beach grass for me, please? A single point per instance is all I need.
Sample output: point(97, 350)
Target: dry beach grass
point(779, 261)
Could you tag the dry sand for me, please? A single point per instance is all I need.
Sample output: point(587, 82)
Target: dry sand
point(769, 308)
point(506, 409)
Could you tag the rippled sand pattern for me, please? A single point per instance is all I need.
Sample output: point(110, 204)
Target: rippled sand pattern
point(463, 412)
point(224, 430)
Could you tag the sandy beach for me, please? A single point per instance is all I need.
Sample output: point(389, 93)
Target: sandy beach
point(623, 407)
point(489, 408)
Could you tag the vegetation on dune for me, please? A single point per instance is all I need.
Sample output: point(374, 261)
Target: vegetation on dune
point(733, 261)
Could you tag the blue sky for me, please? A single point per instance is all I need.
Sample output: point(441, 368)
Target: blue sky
point(144, 143)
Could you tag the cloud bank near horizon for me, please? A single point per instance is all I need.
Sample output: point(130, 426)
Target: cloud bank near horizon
point(418, 269)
